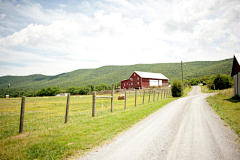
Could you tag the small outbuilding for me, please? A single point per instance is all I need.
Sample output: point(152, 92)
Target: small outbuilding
point(139, 80)
point(236, 73)
point(63, 94)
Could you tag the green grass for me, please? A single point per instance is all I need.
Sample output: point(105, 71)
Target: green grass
point(227, 107)
point(205, 89)
point(47, 137)
point(186, 91)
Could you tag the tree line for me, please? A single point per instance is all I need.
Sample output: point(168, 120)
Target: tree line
point(218, 82)
point(53, 91)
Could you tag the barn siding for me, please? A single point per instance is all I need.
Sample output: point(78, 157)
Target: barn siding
point(238, 83)
point(135, 80)
point(145, 82)
point(164, 83)
point(236, 75)
point(235, 78)
point(126, 82)
point(237, 68)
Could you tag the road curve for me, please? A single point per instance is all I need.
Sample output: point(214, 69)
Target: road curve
point(184, 129)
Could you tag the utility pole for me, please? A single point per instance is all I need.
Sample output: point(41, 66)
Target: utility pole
point(182, 72)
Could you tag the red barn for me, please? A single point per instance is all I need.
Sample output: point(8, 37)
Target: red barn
point(139, 80)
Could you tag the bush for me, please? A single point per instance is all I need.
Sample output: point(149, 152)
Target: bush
point(195, 81)
point(221, 82)
point(177, 89)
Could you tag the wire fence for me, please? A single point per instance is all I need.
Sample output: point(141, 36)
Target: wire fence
point(45, 113)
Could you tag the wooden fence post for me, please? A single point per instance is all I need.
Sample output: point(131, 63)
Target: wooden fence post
point(154, 95)
point(112, 98)
point(164, 93)
point(94, 104)
point(125, 105)
point(22, 114)
point(67, 108)
point(158, 95)
point(161, 93)
point(135, 98)
point(149, 96)
point(143, 95)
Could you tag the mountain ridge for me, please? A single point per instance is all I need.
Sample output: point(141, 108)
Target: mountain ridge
point(114, 74)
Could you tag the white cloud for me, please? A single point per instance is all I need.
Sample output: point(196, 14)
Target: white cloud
point(18, 6)
point(62, 5)
point(119, 33)
point(2, 16)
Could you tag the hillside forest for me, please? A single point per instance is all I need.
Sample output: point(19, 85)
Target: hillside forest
point(83, 81)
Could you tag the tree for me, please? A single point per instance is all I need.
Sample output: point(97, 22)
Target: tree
point(48, 92)
point(102, 86)
point(91, 87)
point(221, 82)
point(177, 89)
point(195, 81)
point(56, 90)
point(84, 90)
point(71, 90)
point(41, 92)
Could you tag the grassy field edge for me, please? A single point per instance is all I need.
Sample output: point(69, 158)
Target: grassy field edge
point(227, 106)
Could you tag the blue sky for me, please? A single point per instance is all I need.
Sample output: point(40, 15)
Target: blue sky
point(52, 37)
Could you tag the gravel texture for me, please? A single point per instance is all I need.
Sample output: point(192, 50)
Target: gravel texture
point(187, 128)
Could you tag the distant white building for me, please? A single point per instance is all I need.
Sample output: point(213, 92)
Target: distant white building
point(63, 94)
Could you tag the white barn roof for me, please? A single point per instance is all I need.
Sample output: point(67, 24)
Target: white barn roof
point(151, 75)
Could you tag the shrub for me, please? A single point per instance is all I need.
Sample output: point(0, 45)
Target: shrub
point(221, 82)
point(177, 89)
point(195, 81)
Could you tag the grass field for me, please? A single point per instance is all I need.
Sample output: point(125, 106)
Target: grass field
point(227, 107)
point(205, 89)
point(46, 136)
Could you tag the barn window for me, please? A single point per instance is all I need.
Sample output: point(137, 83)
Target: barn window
point(131, 79)
point(134, 74)
point(137, 82)
point(124, 84)
point(137, 78)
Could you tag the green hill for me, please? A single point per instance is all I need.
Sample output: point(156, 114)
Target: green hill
point(115, 74)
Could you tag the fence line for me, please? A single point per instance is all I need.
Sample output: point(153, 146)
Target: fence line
point(56, 114)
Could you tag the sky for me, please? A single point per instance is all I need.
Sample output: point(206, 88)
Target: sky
point(52, 37)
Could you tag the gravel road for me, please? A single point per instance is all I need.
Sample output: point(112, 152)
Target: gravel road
point(187, 128)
